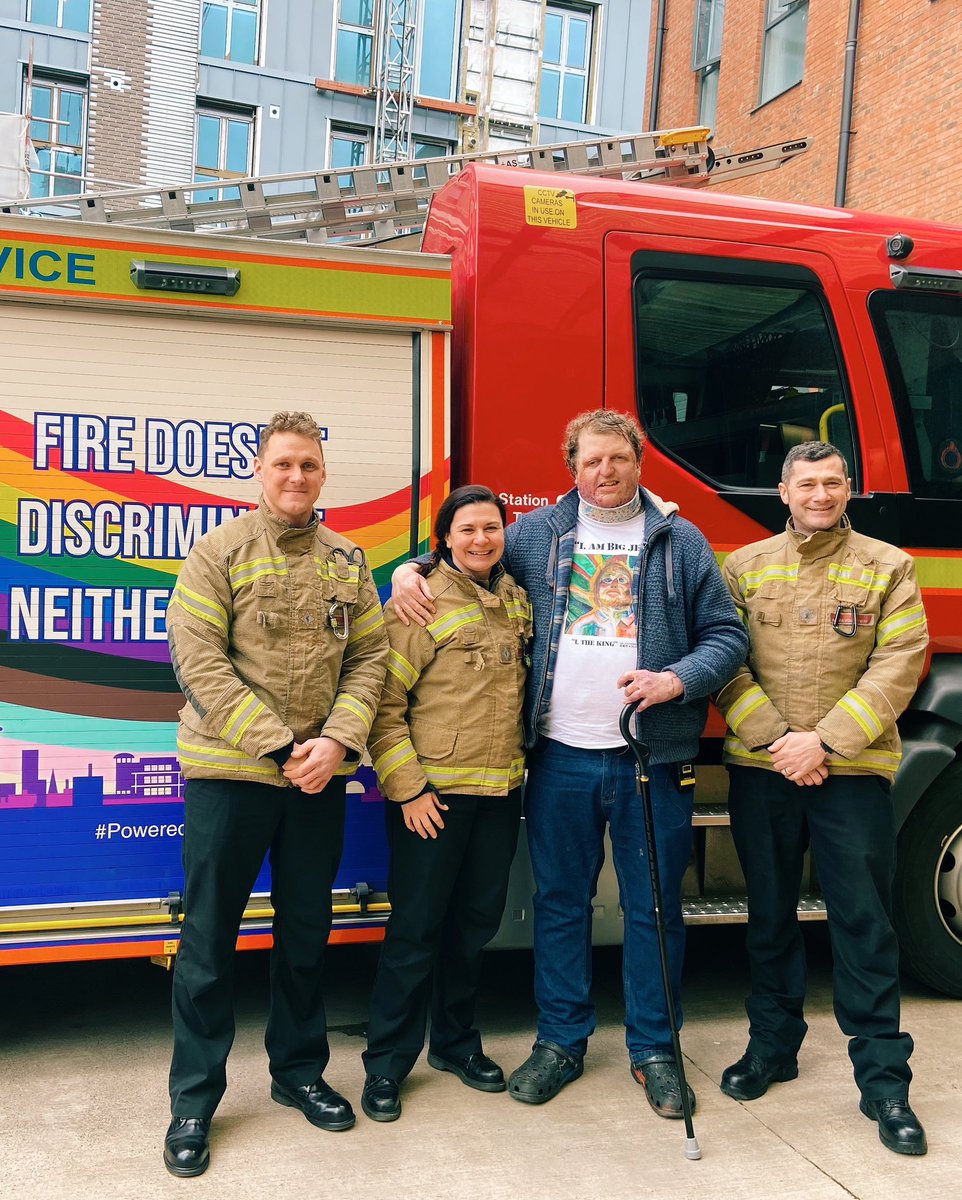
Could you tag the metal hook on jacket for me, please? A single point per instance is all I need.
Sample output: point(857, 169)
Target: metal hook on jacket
point(341, 626)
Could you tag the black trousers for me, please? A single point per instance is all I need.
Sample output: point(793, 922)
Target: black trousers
point(229, 826)
point(447, 897)
point(850, 825)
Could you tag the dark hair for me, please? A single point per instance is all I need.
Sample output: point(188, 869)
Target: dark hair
point(811, 452)
point(470, 493)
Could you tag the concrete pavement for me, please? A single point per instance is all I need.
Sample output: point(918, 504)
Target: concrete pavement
point(83, 1106)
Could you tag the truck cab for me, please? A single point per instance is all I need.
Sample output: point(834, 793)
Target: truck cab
point(733, 329)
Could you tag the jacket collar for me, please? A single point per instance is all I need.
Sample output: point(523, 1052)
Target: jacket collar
point(824, 541)
point(292, 534)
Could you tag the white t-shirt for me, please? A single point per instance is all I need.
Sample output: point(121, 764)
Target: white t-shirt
point(599, 640)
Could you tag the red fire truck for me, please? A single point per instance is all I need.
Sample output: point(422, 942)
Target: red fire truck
point(732, 328)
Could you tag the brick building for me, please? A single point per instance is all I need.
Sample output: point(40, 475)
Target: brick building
point(762, 71)
point(153, 92)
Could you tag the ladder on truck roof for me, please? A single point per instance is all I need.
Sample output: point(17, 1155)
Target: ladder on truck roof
point(371, 203)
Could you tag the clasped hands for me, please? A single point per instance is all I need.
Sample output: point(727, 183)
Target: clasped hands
point(800, 757)
point(313, 763)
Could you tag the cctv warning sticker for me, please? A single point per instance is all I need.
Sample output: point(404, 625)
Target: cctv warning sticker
point(550, 206)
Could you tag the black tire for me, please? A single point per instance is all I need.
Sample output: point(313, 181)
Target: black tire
point(928, 886)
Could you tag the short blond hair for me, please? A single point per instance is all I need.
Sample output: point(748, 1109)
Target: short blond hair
point(291, 422)
point(601, 420)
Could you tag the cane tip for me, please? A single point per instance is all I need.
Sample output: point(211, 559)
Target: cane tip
point(692, 1149)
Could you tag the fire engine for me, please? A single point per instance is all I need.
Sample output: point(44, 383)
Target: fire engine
point(146, 343)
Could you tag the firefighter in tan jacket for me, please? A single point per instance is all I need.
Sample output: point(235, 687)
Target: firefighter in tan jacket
point(278, 643)
point(448, 748)
point(837, 644)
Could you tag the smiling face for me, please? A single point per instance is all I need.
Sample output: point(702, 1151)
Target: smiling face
point(291, 472)
point(476, 539)
point(613, 587)
point(607, 470)
point(816, 494)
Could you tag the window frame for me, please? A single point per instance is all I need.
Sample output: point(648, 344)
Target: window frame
point(203, 174)
point(260, 13)
point(880, 303)
point(695, 268)
point(362, 31)
point(707, 66)
point(360, 135)
point(771, 23)
point(59, 22)
point(566, 11)
point(454, 73)
point(59, 84)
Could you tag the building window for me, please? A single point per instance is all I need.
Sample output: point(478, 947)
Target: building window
point(440, 28)
point(58, 125)
point(348, 147)
point(566, 63)
point(61, 14)
point(228, 30)
point(426, 148)
point(354, 42)
point(706, 56)
point(225, 143)
point(783, 54)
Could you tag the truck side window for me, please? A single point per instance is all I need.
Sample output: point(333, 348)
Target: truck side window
point(921, 342)
point(735, 368)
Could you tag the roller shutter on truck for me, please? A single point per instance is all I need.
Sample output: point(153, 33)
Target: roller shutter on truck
point(127, 430)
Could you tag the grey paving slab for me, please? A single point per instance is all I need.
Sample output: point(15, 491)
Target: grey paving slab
point(84, 1053)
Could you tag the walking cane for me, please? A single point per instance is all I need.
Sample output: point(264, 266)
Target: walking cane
point(642, 755)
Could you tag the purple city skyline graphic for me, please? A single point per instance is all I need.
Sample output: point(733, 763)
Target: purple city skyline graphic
point(148, 778)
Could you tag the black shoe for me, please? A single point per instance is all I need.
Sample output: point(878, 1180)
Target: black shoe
point(476, 1070)
point(186, 1151)
point(380, 1099)
point(544, 1073)
point(750, 1077)
point(318, 1101)
point(898, 1127)
point(658, 1075)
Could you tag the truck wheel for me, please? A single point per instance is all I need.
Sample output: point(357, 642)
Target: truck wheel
point(928, 886)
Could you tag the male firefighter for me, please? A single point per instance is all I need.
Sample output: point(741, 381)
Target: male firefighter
point(278, 644)
point(837, 642)
point(611, 544)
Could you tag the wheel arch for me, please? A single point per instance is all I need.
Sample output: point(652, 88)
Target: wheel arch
point(931, 731)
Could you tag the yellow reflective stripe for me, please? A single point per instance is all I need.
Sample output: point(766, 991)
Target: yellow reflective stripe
point(402, 670)
point(250, 706)
point(245, 572)
point(325, 571)
point(475, 776)
point(898, 623)
point(214, 756)
point(517, 610)
point(357, 707)
point(187, 761)
point(366, 623)
point(453, 621)
point(753, 699)
point(754, 579)
point(738, 749)
point(862, 714)
point(869, 760)
point(207, 610)
point(867, 578)
point(398, 756)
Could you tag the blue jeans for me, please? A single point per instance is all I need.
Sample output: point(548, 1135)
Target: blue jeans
point(570, 796)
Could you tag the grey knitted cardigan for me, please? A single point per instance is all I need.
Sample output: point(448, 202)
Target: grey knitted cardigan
point(687, 620)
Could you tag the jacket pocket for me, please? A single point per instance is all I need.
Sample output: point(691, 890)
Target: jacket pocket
point(432, 741)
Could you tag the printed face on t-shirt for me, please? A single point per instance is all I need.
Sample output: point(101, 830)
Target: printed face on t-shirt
point(600, 595)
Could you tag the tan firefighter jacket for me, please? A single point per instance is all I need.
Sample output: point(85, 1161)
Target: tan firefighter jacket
point(276, 633)
point(450, 715)
point(837, 643)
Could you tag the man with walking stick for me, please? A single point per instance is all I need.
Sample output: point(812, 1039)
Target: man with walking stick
point(629, 606)
point(838, 640)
